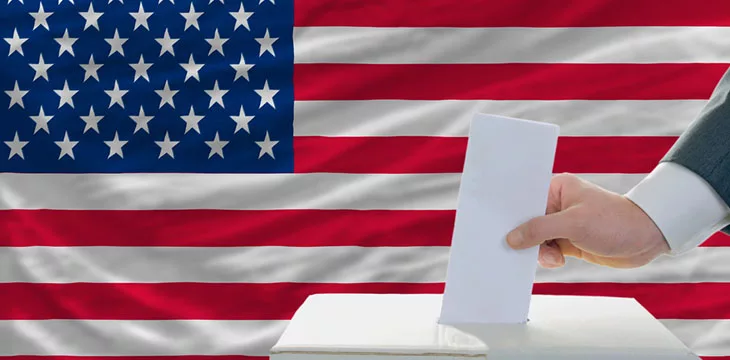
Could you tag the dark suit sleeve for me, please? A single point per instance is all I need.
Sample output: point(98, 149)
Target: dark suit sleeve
point(704, 147)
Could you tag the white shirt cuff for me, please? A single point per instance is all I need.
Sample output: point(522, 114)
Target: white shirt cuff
point(685, 208)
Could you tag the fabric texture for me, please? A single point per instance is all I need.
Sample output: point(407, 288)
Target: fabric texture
point(705, 147)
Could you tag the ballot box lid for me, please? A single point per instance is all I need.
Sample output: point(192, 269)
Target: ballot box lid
point(406, 327)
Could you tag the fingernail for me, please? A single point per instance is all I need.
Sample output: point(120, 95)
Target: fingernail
point(552, 258)
point(515, 238)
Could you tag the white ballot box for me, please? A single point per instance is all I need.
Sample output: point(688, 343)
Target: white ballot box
point(406, 327)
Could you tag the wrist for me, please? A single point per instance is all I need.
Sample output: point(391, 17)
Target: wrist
point(680, 205)
point(652, 242)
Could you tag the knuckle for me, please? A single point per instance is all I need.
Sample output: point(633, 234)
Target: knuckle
point(531, 232)
point(566, 178)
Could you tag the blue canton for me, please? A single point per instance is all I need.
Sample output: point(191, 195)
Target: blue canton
point(109, 86)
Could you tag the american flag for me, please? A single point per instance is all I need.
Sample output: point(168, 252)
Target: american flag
point(178, 175)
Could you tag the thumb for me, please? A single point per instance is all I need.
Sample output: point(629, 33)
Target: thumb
point(562, 224)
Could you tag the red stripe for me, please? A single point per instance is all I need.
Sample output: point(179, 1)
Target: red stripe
point(422, 154)
point(483, 13)
point(185, 357)
point(216, 228)
point(160, 357)
point(717, 240)
point(506, 81)
point(222, 228)
point(219, 301)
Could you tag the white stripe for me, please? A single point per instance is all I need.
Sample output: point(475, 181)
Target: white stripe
point(244, 191)
point(674, 44)
point(203, 337)
point(264, 264)
point(704, 337)
point(704, 264)
point(138, 337)
point(452, 117)
point(346, 264)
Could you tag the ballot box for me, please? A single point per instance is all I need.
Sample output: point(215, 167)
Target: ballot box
point(407, 327)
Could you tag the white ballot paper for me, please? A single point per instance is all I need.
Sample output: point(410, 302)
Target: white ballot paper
point(504, 183)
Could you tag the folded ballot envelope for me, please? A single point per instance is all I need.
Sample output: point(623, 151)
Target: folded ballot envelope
point(487, 310)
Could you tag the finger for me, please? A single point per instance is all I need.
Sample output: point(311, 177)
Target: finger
point(543, 228)
point(558, 184)
point(568, 249)
point(614, 262)
point(550, 256)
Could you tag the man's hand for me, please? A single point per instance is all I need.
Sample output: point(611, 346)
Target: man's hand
point(587, 222)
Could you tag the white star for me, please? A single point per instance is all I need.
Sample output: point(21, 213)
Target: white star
point(91, 17)
point(66, 44)
point(267, 44)
point(191, 17)
point(191, 69)
point(216, 146)
point(166, 95)
point(41, 68)
point(40, 17)
point(166, 42)
point(262, 1)
point(216, 95)
point(41, 121)
point(241, 69)
point(91, 69)
point(140, 69)
point(116, 95)
point(166, 146)
point(20, 1)
point(16, 96)
point(242, 121)
point(141, 120)
point(171, 1)
point(191, 121)
point(120, 1)
point(267, 146)
point(66, 95)
point(267, 95)
point(216, 43)
point(140, 17)
point(67, 147)
point(92, 121)
point(16, 147)
point(115, 146)
point(116, 43)
point(241, 17)
point(16, 43)
point(60, 1)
